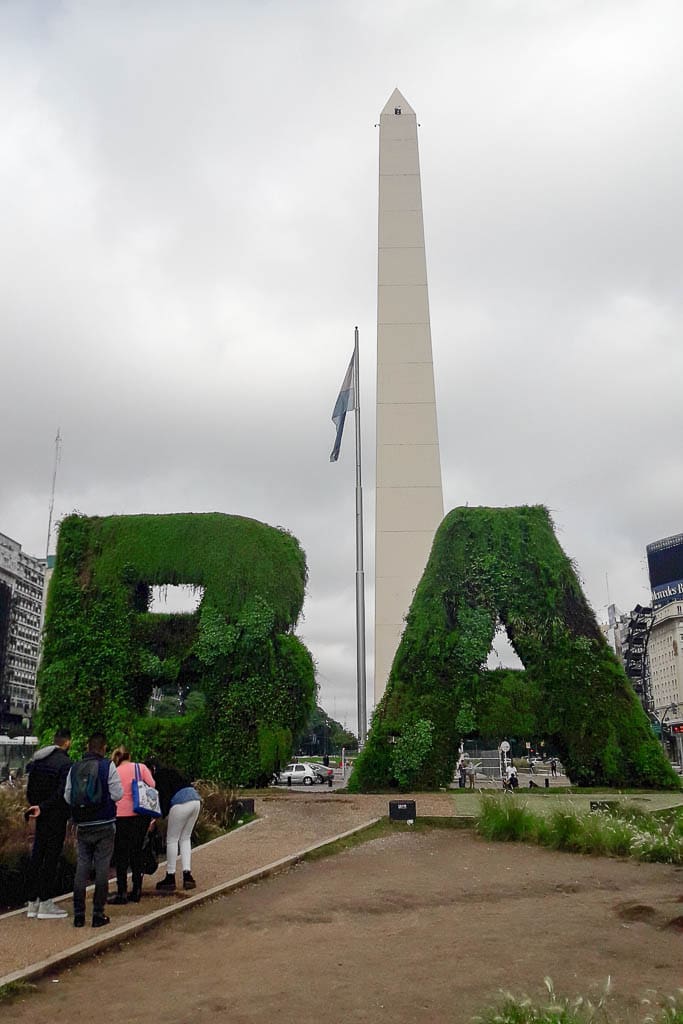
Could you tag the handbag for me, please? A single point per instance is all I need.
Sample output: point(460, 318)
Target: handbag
point(145, 798)
point(150, 858)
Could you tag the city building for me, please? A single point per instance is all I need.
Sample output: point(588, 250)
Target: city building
point(616, 630)
point(22, 579)
point(409, 499)
point(665, 643)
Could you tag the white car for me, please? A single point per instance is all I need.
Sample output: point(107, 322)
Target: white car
point(298, 773)
point(322, 772)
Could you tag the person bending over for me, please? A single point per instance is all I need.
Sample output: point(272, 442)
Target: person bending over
point(180, 802)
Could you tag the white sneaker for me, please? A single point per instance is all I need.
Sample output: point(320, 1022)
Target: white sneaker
point(32, 908)
point(47, 911)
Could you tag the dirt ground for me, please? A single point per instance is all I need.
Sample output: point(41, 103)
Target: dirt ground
point(424, 926)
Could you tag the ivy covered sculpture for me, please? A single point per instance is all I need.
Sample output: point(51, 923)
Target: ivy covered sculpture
point(491, 566)
point(104, 651)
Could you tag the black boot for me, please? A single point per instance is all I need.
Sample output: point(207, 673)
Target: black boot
point(188, 880)
point(118, 900)
point(137, 889)
point(166, 884)
point(99, 919)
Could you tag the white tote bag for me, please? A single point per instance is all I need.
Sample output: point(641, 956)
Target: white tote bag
point(145, 798)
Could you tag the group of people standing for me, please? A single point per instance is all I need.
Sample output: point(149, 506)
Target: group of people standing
point(97, 794)
point(467, 772)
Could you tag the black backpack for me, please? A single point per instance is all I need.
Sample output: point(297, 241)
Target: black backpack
point(89, 788)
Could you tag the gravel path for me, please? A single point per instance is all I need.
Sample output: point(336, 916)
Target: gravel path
point(413, 927)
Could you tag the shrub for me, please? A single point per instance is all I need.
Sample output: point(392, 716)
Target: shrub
point(13, 838)
point(218, 812)
point(173, 741)
point(637, 834)
point(410, 752)
point(506, 820)
point(563, 829)
point(559, 1009)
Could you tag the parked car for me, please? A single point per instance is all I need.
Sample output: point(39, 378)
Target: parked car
point(299, 773)
point(322, 771)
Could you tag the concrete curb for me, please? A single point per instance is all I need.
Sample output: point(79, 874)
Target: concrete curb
point(126, 931)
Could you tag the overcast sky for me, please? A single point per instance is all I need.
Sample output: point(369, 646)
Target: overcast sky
point(189, 235)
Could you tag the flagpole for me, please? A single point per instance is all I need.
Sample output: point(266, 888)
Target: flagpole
point(58, 454)
point(360, 575)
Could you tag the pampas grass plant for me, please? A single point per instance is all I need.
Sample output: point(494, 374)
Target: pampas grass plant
point(610, 833)
point(559, 1009)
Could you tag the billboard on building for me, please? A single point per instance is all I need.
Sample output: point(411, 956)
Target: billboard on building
point(665, 566)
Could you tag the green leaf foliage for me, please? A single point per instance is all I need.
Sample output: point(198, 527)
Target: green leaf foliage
point(411, 751)
point(323, 734)
point(505, 565)
point(104, 653)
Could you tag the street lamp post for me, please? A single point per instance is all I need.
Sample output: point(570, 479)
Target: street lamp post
point(26, 725)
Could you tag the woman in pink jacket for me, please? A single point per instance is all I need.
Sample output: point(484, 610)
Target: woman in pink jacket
point(130, 829)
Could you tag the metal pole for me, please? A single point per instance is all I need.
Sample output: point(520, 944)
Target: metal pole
point(58, 449)
point(360, 575)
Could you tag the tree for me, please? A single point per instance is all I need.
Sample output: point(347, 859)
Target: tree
point(323, 735)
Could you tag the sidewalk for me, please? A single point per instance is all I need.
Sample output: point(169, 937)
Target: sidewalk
point(287, 824)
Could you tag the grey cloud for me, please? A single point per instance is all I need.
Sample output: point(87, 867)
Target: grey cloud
point(189, 236)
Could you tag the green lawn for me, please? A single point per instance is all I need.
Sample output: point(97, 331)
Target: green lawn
point(543, 801)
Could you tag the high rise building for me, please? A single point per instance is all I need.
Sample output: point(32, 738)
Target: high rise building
point(665, 645)
point(616, 631)
point(22, 580)
point(409, 499)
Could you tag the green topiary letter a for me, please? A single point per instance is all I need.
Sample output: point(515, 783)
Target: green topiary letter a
point(490, 565)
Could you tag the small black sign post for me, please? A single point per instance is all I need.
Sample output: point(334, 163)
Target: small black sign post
point(402, 810)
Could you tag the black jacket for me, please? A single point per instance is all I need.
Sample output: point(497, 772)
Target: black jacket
point(47, 775)
point(168, 783)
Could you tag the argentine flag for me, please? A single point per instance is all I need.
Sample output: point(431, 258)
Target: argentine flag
point(346, 400)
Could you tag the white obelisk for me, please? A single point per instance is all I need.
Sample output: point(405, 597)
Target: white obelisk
point(409, 497)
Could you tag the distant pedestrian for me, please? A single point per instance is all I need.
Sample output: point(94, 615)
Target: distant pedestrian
point(93, 789)
point(180, 802)
point(511, 782)
point(553, 766)
point(47, 774)
point(471, 776)
point(131, 829)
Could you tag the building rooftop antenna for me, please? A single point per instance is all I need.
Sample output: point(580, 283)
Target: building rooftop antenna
point(58, 456)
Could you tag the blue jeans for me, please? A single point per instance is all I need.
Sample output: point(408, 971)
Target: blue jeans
point(95, 846)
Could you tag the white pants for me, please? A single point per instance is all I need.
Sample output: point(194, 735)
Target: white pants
point(181, 819)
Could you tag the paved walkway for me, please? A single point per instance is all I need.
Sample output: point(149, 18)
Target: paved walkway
point(288, 823)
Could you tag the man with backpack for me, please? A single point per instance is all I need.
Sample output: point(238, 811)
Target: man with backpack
point(47, 774)
point(92, 789)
